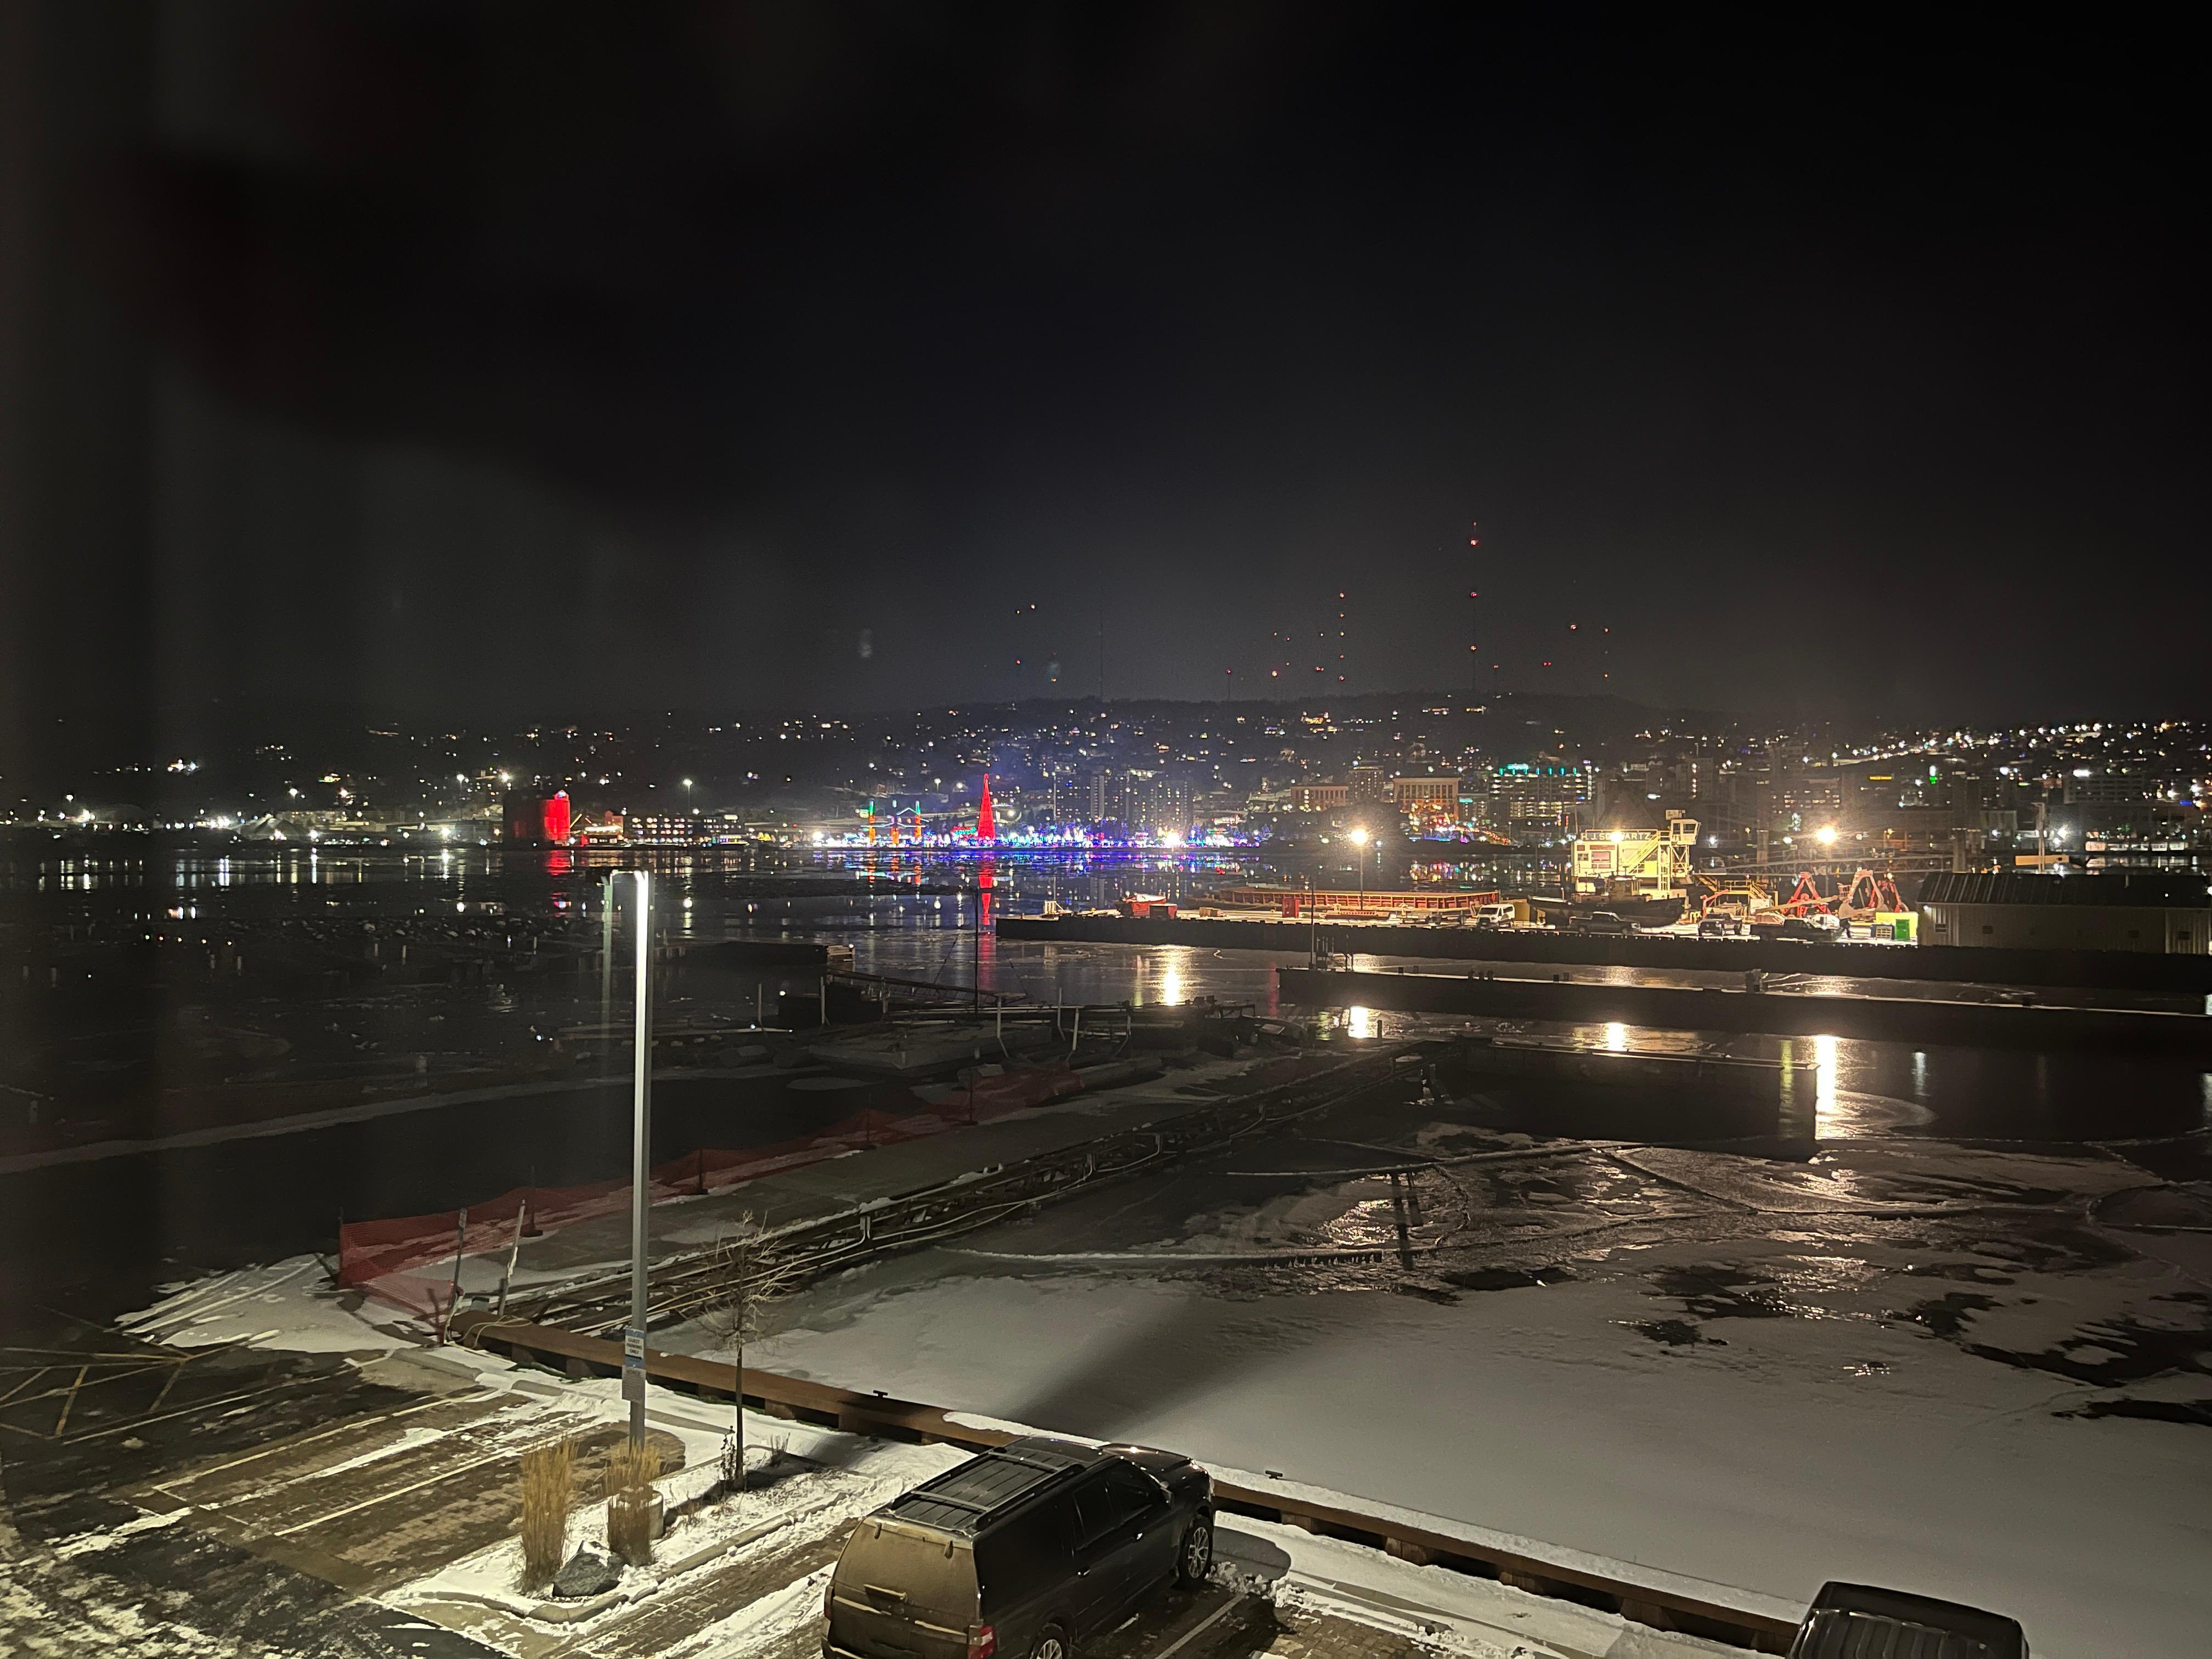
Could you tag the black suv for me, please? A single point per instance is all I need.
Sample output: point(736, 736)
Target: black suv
point(1848, 1620)
point(1020, 1553)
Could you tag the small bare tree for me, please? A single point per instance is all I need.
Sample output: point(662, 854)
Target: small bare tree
point(749, 1280)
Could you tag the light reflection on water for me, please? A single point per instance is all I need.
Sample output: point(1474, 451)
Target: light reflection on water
point(1862, 1088)
point(1824, 1092)
point(1076, 877)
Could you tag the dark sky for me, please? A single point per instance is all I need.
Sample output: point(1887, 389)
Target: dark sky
point(482, 360)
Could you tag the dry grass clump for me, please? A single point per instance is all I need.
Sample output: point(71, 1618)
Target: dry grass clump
point(630, 1474)
point(548, 1474)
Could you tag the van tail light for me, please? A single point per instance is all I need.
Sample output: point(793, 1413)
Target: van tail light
point(982, 1642)
point(829, 1598)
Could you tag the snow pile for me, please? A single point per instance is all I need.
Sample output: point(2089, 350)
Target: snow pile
point(290, 1305)
point(107, 1538)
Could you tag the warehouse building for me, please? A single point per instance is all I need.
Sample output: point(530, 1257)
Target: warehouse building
point(2123, 910)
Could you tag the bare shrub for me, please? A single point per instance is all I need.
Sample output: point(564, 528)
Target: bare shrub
point(547, 1475)
point(630, 1474)
point(749, 1280)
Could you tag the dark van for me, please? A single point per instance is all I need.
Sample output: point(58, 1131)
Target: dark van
point(1020, 1553)
point(1846, 1621)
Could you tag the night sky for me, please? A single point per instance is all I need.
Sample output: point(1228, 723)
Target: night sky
point(486, 361)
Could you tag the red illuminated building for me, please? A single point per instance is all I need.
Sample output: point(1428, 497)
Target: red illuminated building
point(530, 820)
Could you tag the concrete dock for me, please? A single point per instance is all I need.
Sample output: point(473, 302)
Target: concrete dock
point(2109, 970)
point(1874, 1019)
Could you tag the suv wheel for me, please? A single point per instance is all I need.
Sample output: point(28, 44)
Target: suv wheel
point(1051, 1643)
point(1196, 1557)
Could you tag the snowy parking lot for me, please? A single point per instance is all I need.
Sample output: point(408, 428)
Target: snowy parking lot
point(389, 1531)
point(1952, 1367)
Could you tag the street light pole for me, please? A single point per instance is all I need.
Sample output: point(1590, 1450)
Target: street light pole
point(640, 1164)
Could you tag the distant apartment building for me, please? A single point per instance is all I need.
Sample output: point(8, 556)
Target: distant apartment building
point(1428, 794)
point(1143, 799)
point(684, 830)
point(670, 829)
point(2106, 786)
point(1808, 796)
point(1319, 797)
point(1106, 794)
point(1428, 799)
point(1478, 808)
point(1540, 800)
point(1159, 803)
point(1049, 802)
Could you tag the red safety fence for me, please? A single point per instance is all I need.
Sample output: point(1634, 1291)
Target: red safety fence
point(384, 1257)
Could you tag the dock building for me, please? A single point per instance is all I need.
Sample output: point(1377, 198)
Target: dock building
point(2154, 910)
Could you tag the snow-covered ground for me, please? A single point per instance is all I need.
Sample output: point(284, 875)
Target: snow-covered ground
point(706, 1562)
point(288, 1304)
point(1908, 1361)
point(1873, 1378)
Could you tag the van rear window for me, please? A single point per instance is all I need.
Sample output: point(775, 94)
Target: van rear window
point(911, 1572)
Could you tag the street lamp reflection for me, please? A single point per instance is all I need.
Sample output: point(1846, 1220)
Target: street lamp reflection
point(1824, 1090)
